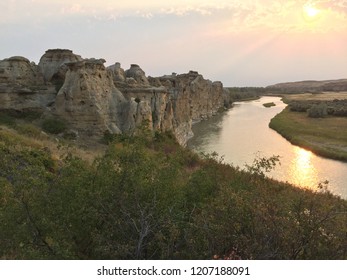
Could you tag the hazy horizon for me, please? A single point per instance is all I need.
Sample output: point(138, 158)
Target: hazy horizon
point(241, 43)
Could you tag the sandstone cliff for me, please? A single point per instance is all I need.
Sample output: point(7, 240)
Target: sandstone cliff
point(171, 102)
point(94, 99)
point(53, 64)
point(22, 85)
point(88, 99)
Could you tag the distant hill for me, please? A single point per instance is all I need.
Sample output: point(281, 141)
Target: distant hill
point(310, 86)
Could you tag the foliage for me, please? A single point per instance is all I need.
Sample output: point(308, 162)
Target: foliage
point(324, 136)
point(54, 125)
point(7, 119)
point(318, 108)
point(269, 104)
point(149, 198)
point(262, 165)
point(318, 111)
point(245, 93)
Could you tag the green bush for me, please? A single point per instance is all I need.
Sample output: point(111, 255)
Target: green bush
point(268, 105)
point(139, 202)
point(318, 111)
point(54, 126)
point(7, 119)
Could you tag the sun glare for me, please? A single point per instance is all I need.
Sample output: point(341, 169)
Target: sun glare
point(311, 11)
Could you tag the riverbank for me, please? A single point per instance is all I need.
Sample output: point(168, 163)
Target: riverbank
point(326, 137)
point(243, 133)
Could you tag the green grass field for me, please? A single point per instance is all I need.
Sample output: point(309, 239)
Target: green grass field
point(324, 136)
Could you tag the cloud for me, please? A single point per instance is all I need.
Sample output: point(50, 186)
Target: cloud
point(276, 15)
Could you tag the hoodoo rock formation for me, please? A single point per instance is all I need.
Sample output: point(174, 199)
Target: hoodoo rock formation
point(53, 64)
point(88, 99)
point(94, 99)
point(22, 85)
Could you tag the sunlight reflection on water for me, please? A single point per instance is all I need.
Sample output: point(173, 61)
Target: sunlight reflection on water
point(242, 133)
point(302, 170)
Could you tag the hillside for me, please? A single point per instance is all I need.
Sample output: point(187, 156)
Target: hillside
point(310, 86)
point(93, 166)
point(146, 197)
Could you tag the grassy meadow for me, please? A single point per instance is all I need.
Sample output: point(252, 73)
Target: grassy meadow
point(324, 136)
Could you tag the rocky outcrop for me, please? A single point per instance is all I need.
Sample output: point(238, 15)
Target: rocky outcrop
point(117, 73)
point(136, 73)
point(171, 102)
point(18, 71)
point(150, 103)
point(94, 99)
point(192, 99)
point(22, 85)
point(89, 101)
point(53, 64)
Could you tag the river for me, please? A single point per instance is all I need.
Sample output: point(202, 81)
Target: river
point(241, 134)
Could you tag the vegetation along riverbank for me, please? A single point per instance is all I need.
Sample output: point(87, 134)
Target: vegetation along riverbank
point(146, 197)
point(315, 122)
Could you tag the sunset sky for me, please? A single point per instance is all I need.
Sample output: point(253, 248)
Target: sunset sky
point(241, 43)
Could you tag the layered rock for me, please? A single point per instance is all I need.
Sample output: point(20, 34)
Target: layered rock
point(151, 102)
point(19, 71)
point(171, 102)
point(22, 85)
point(53, 64)
point(192, 99)
point(89, 101)
point(117, 73)
point(135, 72)
point(93, 99)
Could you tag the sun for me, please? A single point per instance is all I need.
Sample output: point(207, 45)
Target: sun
point(311, 11)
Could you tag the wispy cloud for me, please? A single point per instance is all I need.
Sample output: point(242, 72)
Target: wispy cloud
point(240, 15)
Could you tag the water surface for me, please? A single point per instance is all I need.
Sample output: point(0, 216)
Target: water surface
point(242, 133)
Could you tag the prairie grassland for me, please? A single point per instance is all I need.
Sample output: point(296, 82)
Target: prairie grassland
point(324, 136)
point(317, 96)
point(27, 135)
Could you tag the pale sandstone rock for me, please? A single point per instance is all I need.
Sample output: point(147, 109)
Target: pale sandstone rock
point(22, 86)
point(138, 74)
point(192, 99)
point(94, 99)
point(52, 64)
point(88, 100)
point(19, 71)
point(117, 73)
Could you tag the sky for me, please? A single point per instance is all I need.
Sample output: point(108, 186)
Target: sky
point(241, 43)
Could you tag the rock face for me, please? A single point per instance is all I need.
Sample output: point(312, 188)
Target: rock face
point(22, 85)
point(148, 103)
point(191, 99)
point(53, 64)
point(94, 99)
point(88, 100)
point(19, 71)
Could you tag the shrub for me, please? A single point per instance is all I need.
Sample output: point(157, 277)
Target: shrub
point(269, 104)
point(54, 126)
point(29, 130)
point(7, 119)
point(318, 111)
